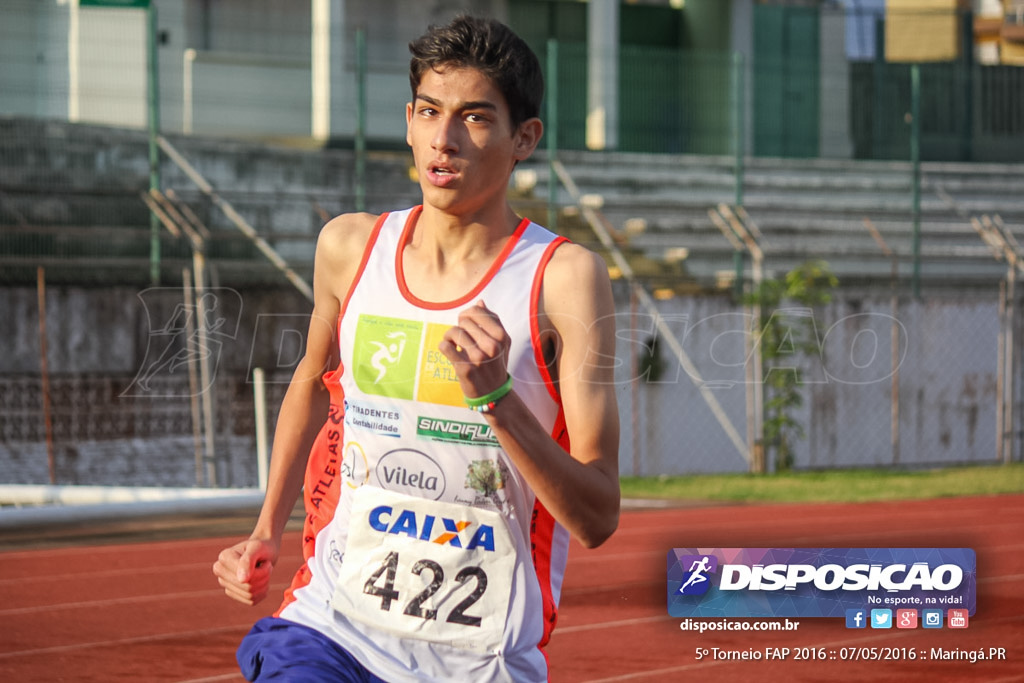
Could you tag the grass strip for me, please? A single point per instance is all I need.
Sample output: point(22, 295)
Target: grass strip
point(837, 486)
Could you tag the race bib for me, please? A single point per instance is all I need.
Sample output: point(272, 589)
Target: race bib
point(425, 569)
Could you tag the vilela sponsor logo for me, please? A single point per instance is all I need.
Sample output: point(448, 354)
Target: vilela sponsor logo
point(378, 419)
point(466, 433)
point(409, 471)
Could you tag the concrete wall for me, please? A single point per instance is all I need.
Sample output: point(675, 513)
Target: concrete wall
point(946, 365)
point(122, 409)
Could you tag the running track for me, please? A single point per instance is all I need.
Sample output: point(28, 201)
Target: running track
point(152, 611)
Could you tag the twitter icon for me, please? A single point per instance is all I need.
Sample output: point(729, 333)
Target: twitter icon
point(881, 618)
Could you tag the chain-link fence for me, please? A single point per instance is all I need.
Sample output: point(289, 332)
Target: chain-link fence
point(916, 385)
point(913, 387)
point(716, 155)
point(119, 386)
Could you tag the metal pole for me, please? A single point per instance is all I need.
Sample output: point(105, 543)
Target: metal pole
point(894, 338)
point(634, 386)
point(206, 381)
point(894, 392)
point(1008, 427)
point(154, 150)
point(44, 372)
point(739, 142)
point(193, 373)
point(259, 391)
point(360, 141)
point(188, 68)
point(1001, 377)
point(552, 133)
point(915, 160)
point(739, 139)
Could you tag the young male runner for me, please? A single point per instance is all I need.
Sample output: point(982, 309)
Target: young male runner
point(469, 422)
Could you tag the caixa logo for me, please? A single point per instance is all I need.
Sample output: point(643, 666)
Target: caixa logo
point(440, 530)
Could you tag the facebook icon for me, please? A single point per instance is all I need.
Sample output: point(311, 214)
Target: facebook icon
point(856, 618)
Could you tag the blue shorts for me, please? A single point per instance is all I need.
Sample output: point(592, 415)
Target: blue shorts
point(281, 650)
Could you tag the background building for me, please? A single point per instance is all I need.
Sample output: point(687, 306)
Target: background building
point(794, 79)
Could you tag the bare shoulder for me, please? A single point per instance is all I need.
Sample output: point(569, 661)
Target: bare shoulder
point(576, 281)
point(339, 249)
point(346, 235)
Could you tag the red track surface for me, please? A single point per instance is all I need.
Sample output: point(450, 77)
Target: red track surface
point(153, 612)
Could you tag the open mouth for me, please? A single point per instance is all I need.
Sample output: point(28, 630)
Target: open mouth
point(442, 175)
point(442, 170)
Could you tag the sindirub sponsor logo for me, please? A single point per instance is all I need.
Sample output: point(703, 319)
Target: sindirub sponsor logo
point(468, 433)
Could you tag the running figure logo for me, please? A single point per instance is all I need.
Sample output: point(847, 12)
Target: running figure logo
point(696, 580)
point(387, 355)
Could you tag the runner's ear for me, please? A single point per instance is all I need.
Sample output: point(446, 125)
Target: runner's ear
point(527, 137)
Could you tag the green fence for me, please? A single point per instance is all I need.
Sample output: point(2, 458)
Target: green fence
point(688, 102)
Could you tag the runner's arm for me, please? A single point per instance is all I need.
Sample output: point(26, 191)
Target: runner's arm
point(580, 488)
point(244, 568)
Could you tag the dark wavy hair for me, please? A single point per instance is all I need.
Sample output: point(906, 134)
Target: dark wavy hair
point(492, 48)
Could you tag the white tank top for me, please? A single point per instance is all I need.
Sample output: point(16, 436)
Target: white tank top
point(439, 563)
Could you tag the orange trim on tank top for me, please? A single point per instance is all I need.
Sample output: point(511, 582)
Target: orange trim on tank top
point(473, 293)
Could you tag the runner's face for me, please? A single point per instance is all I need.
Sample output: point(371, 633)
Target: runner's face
point(462, 140)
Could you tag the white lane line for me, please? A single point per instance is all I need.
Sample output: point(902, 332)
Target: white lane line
point(78, 576)
point(125, 641)
point(135, 599)
point(236, 676)
point(109, 602)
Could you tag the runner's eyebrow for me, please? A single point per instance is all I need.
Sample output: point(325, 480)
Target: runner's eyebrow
point(480, 104)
